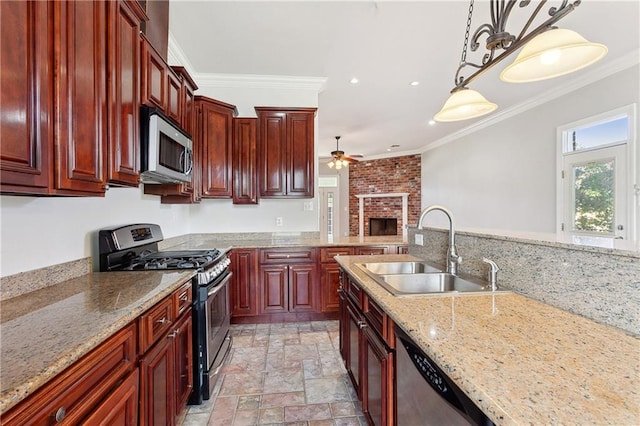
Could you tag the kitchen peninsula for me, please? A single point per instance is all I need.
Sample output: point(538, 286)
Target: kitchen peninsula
point(519, 360)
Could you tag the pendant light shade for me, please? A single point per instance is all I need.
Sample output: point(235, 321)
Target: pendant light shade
point(464, 104)
point(551, 54)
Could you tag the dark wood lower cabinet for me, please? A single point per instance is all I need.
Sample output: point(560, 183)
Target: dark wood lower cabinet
point(378, 379)
point(156, 380)
point(368, 357)
point(120, 407)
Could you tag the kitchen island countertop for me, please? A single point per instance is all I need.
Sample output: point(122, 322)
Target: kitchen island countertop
point(521, 361)
point(47, 330)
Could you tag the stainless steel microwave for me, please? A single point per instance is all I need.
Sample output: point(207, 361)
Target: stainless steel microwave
point(166, 150)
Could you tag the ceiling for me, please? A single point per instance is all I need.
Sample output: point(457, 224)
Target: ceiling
point(386, 45)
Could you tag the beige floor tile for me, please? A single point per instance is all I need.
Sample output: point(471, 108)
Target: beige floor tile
point(307, 412)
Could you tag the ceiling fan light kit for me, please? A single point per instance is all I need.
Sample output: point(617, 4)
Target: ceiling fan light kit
point(547, 52)
point(339, 159)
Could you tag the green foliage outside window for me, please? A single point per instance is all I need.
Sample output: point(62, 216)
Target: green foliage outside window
point(594, 197)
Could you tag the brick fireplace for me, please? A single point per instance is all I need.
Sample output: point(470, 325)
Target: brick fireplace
point(371, 183)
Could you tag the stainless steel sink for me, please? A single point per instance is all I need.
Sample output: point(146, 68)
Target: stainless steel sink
point(414, 278)
point(382, 268)
point(442, 282)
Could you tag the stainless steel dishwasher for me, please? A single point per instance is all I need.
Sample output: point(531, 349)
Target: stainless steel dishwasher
point(426, 396)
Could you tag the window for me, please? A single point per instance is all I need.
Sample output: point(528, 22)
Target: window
point(596, 187)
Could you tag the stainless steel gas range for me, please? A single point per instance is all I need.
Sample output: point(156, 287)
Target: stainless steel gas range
point(135, 248)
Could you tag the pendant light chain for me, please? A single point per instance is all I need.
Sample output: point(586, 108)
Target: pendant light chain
point(463, 59)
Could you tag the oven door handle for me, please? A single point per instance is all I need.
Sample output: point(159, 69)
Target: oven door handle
point(218, 287)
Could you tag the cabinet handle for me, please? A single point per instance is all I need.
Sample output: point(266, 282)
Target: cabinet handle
point(162, 321)
point(173, 335)
point(59, 416)
point(362, 325)
point(184, 298)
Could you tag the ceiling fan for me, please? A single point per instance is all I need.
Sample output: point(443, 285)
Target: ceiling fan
point(339, 159)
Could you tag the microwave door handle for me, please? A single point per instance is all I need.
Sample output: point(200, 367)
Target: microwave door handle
point(188, 161)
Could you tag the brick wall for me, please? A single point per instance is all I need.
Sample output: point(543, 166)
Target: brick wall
point(399, 174)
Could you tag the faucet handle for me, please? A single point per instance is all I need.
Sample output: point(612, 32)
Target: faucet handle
point(493, 272)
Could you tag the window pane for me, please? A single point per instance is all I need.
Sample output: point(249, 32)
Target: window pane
point(594, 195)
point(330, 214)
point(600, 134)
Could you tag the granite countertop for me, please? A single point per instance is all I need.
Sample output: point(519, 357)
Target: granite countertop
point(208, 241)
point(521, 361)
point(45, 331)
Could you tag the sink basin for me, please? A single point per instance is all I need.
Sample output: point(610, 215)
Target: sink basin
point(441, 282)
point(382, 268)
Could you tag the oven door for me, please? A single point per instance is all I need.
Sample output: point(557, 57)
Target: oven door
point(218, 321)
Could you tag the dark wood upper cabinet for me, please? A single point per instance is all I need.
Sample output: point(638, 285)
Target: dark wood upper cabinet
point(80, 109)
point(124, 92)
point(286, 146)
point(215, 137)
point(174, 91)
point(156, 28)
point(154, 79)
point(26, 84)
point(245, 161)
point(69, 96)
point(187, 99)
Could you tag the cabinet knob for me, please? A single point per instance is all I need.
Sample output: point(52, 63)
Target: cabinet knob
point(162, 321)
point(59, 416)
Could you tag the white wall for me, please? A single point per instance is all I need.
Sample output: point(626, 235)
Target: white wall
point(502, 179)
point(41, 231)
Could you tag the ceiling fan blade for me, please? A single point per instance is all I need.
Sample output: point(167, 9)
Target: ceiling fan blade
point(349, 159)
point(355, 155)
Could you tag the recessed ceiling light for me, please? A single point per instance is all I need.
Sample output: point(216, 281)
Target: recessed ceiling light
point(432, 122)
point(354, 80)
point(415, 83)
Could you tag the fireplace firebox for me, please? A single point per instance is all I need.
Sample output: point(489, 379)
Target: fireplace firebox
point(383, 226)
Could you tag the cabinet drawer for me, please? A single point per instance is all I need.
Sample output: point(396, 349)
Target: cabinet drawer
point(374, 314)
point(75, 392)
point(369, 250)
point(155, 323)
point(182, 298)
point(305, 255)
point(355, 293)
point(327, 253)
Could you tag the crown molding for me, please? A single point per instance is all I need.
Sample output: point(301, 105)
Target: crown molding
point(624, 62)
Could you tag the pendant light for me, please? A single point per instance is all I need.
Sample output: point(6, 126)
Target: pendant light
point(551, 54)
point(547, 52)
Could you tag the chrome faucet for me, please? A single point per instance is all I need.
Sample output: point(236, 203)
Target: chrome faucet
point(493, 273)
point(452, 253)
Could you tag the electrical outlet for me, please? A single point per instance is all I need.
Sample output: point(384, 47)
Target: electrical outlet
point(308, 206)
point(278, 221)
point(419, 241)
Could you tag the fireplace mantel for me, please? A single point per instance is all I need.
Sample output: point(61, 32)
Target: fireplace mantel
point(405, 208)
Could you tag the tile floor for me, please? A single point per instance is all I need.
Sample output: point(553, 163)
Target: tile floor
point(282, 374)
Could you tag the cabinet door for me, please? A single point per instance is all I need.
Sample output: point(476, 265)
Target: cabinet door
point(245, 183)
point(120, 407)
point(80, 109)
point(352, 344)
point(273, 151)
point(184, 361)
point(244, 297)
point(157, 393)
point(302, 286)
point(377, 372)
point(274, 289)
point(174, 91)
point(26, 72)
point(216, 131)
point(153, 77)
point(299, 168)
point(124, 95)
point(329, 284)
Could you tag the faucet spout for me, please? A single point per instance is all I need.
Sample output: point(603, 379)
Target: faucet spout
point(453, 259)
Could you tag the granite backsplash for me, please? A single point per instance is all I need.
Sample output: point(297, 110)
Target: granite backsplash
point(600, 284)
